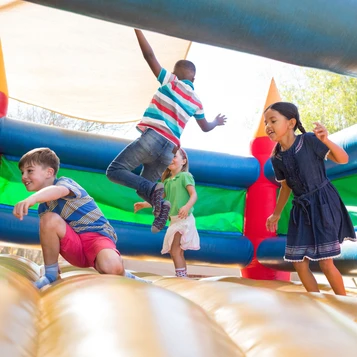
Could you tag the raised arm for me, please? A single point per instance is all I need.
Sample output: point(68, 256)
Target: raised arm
point(208, 126)
point(148, 53)
point(47, 194)
point(336, 154)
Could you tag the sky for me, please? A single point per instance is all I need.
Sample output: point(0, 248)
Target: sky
point(235, 84)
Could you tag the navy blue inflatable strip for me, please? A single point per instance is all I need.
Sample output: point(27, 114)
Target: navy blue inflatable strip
point(203, 231)
point(65, 166)
point(33, 212)
point(271, 251)
point(347, 139)
point(88, 169)
point(84, 150)
point(343, 174)
point(138, 241)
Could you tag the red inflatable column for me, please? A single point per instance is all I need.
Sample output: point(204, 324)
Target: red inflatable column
point(261, 200)
point(3, 87)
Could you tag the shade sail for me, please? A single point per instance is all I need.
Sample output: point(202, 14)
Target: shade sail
point(79, 66)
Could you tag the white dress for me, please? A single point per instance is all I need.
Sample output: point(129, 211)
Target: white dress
point(189, 235)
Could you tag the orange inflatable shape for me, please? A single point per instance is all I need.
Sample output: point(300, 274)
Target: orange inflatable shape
point(3, 87)
point(273, 97)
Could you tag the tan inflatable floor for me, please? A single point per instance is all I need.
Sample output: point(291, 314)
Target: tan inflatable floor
point(86, 314)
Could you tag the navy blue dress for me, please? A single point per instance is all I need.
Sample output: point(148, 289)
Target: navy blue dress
point(319, 221)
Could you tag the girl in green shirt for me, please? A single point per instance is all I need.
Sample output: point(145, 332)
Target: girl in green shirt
point(179, 187)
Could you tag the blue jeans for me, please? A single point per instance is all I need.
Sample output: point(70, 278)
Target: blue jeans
point(151, 150)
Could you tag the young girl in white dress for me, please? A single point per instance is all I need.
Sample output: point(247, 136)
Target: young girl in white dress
point(179, 188)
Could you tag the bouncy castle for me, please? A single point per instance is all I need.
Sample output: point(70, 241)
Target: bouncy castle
point(261, 313)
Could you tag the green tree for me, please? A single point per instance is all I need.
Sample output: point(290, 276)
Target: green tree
point(323, 96)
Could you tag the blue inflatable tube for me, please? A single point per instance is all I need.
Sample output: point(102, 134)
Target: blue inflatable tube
point(137, 240)
point(271, 251)
point(92, 151)
point(319, 33)
point(347, 139)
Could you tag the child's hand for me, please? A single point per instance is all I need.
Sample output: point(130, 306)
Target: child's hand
point(21, 209)
point(272, 223)
point(320, 131)
point(183, 212)
point(138, 206)
point(220, 119)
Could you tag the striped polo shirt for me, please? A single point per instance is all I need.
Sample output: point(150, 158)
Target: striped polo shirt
point(172, 106)
point(78, 210)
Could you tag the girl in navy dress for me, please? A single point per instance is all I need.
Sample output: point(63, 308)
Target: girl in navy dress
point(319, 221)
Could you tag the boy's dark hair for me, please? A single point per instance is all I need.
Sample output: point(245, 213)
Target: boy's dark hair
point(44, 157)
point(185, 70)
point(188, 65)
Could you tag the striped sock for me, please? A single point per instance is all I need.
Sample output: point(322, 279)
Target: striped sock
point(160, 221)
point(156, 198)
point(51, 275)
point(181, 272)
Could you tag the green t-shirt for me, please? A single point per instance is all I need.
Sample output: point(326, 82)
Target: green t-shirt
point(176, 192)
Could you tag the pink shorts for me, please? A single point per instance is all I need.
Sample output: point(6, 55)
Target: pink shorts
point(82, 249)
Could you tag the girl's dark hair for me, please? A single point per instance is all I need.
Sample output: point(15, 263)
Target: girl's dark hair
point(289, 111)
point(167, 172)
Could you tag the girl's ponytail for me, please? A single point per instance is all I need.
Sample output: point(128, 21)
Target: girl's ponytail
point(299, 124)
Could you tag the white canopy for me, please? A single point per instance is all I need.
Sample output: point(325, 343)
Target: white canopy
point(80, 66)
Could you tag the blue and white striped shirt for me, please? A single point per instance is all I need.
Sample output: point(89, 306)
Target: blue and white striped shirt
point(78, 210)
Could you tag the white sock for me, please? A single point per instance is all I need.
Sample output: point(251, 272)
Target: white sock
point(181, 272)
point(132, 276)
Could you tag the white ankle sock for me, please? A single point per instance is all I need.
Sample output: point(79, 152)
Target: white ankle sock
point(132, 276)
point(181, 272)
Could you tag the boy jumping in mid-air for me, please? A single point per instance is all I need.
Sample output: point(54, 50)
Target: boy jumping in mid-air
point(71, 223)
point(163, 122)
